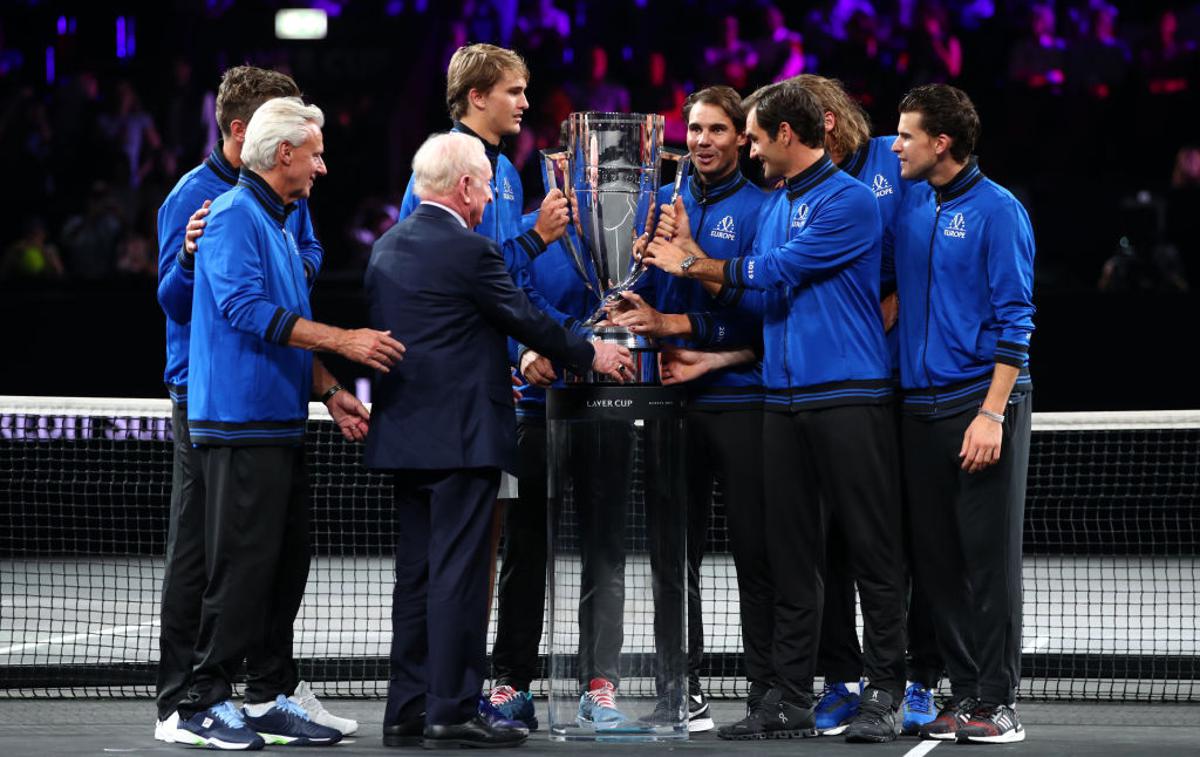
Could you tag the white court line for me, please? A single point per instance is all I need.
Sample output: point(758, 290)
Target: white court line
point(925, 747)
point(52, 640)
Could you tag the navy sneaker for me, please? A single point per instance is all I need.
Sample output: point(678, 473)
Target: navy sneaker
point(835, 708)
point(514, 705)
point(496, 719)
point(287, 724)
point(219, 727)
point(917, 709)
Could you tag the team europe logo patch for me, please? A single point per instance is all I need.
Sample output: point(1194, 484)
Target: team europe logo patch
point(724, 229)
point(801, 216)
point(881, 186)
point(508, 190)
point(957, 227)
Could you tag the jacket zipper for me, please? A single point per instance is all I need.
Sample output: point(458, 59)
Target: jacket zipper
point(787, 371)
point(929, 297)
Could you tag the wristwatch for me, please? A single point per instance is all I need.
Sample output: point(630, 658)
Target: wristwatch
point(686, 263)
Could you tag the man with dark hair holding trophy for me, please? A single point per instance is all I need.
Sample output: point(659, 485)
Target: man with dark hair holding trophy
point(725, 407)
point(828, 434)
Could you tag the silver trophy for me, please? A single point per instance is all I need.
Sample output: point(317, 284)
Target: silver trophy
point(610, 172)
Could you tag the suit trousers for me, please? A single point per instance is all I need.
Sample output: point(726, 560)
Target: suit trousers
point(968, 528)
point(439, 602)
point(257, 554)
point(183, 573)
point(835, 463)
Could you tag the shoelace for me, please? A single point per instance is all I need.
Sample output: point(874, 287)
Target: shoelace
point(986, 713)
point(961, 709)
point(289, 706)
point(309, 702)
point(922, 698)
point(228, 714)
point(603, 697)
point(502, 695)
point(830, 691)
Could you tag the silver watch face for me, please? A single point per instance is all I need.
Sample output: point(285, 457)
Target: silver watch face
point(686, 263)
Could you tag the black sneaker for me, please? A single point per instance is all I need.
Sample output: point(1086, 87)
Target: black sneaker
point(668, 711)
point(991, 724)
point(953, 714)
point(875, 722)
point(757, 692)
point(773, 718)
point(699, 715)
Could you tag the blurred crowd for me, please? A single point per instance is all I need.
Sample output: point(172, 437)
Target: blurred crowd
point(1087, 109)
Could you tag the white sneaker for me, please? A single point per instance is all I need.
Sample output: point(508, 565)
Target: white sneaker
point(317, 712)
point(164, 730)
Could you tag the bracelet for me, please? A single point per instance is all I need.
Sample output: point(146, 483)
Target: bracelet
point(328, 395)
point(997, 417)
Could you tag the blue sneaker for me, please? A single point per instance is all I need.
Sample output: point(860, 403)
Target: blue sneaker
point(514, 705)
point(835, 708)
point(219, 727)
point(287, 724)
point(917, 709)
point(598, 706)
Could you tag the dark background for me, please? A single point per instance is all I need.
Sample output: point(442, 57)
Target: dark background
point(1097, 138)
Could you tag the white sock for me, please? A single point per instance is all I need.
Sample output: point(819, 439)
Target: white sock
point(258, 710)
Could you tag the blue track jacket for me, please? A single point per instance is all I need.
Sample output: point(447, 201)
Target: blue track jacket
point(723, 220)
point(817, 258)
point(964, 265)
point(176, 267)
point(248, 386)
point(554, 276)
point(875, 165)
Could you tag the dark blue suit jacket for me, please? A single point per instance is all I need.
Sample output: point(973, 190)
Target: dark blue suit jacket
point(445, 293)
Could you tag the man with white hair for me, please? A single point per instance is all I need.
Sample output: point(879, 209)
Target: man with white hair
point(248, 403)
point(444, 425)
point(180, 226)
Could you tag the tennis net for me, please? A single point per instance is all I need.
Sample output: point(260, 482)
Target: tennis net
point(1110, 576)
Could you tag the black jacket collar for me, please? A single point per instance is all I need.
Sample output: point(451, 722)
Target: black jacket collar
point(218, 164)
point(969, 176)
point(810, 177)
point(267, 198)
point(854, 162)
point(492, 150)
point(710, 194)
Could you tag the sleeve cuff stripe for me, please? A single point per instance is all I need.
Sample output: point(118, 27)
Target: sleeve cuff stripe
point(273, 324)
point(186, 259)
point(732, 269)
point(285, 332)
point(1015, 362)
point(536, 240)
point(1012, 346)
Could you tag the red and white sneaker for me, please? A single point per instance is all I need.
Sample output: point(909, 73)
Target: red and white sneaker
point(992, 724)
point(598, 705)
point(949, 719)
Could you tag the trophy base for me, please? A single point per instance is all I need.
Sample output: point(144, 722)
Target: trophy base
point(645, 358)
